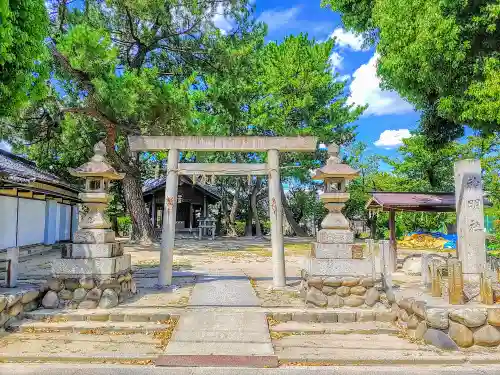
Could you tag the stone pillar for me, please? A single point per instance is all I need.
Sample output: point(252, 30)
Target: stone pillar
point(386, 263)
point(275, 208)
point(392, 238)
point(169, 217)
point(455, 282)
point(190, 217)
point(470, 219)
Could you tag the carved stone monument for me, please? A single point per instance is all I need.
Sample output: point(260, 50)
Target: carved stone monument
point(94, 264)
point(470, 219)
point(335, 254)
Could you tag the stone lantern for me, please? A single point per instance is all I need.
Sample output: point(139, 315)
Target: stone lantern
point(94, 263)
point(335, 176)
point(335, 259)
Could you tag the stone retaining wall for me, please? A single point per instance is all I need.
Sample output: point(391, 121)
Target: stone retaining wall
point(87, 292)
point(337, 291)
point(449, 328)
point(14, 305)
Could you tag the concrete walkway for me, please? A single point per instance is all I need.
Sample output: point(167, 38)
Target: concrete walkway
point(212, 331)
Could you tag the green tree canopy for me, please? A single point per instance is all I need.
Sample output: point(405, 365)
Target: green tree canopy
point(23, 27)
point(443, 56)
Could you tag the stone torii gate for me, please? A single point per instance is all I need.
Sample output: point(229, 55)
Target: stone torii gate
point(271, 145)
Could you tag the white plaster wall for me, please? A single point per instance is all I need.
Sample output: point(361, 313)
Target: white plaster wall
point(31, 227)
point(75, 220)
point(8, 218)
point(58, 222)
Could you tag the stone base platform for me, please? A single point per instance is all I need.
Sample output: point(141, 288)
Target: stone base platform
point(102, 267)
point(335, 267)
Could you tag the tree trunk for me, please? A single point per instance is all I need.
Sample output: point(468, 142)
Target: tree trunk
point(142, 229)
point(232, 216)
point(248, 226)
point(253, 206)
point(289, 216)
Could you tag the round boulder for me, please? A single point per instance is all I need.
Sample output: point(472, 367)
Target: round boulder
point(367, 282)
point(403, 315)
point(358, 290)
point(350, 281)
point(315, 297)
point(30, 296)
point(439, 339)
point(412, 322)
point(55, 284)
point(354, 301)
point(71, 284)
point(406, 304)
point(471, 318)
point(487, 336)
point(94, 294)
point(12, 299)
point(332, 281)
point(420, 330)
point(3, 303)
point(328, 290)
point(343, 291)
point(87, 283)
point(316, 282)
point(79, 294)
point(31, 306)
point(437, 318)
point(16, 309)
point(109, 299)
point(335, 301)
point(418, 308)
point(493, 317)
point(65, 294)
point(372, 296)
point(50, 300)
point(461, 335)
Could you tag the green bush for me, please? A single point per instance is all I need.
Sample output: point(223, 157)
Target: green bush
point(265, 226)
point(240, 227)
point(124, 225)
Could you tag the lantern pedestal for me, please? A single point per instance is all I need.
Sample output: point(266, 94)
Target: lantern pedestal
point(93, 272)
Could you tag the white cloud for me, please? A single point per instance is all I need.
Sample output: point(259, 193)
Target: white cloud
point(365, 89)
point(276, 19)
point(335, 61)
point(392, 138)
point(347, 39)
point(4, 145)
point(223, 23)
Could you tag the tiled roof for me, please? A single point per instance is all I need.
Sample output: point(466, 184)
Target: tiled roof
point(17, 169)
point(155, 183)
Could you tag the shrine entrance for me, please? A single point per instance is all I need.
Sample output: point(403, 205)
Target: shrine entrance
point(271, 145)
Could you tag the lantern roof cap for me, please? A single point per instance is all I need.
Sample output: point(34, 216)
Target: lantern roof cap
point(334, 167)
point(98, 166)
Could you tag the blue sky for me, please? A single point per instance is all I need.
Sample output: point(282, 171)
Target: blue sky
point(388, 118)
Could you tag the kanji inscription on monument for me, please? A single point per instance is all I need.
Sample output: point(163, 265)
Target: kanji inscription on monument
point(470, 218)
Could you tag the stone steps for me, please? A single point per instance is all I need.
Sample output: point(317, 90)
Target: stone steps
point(368, 328)
point(361, 349)
point(80, 348)
point(31, 326)
point(103, 315)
